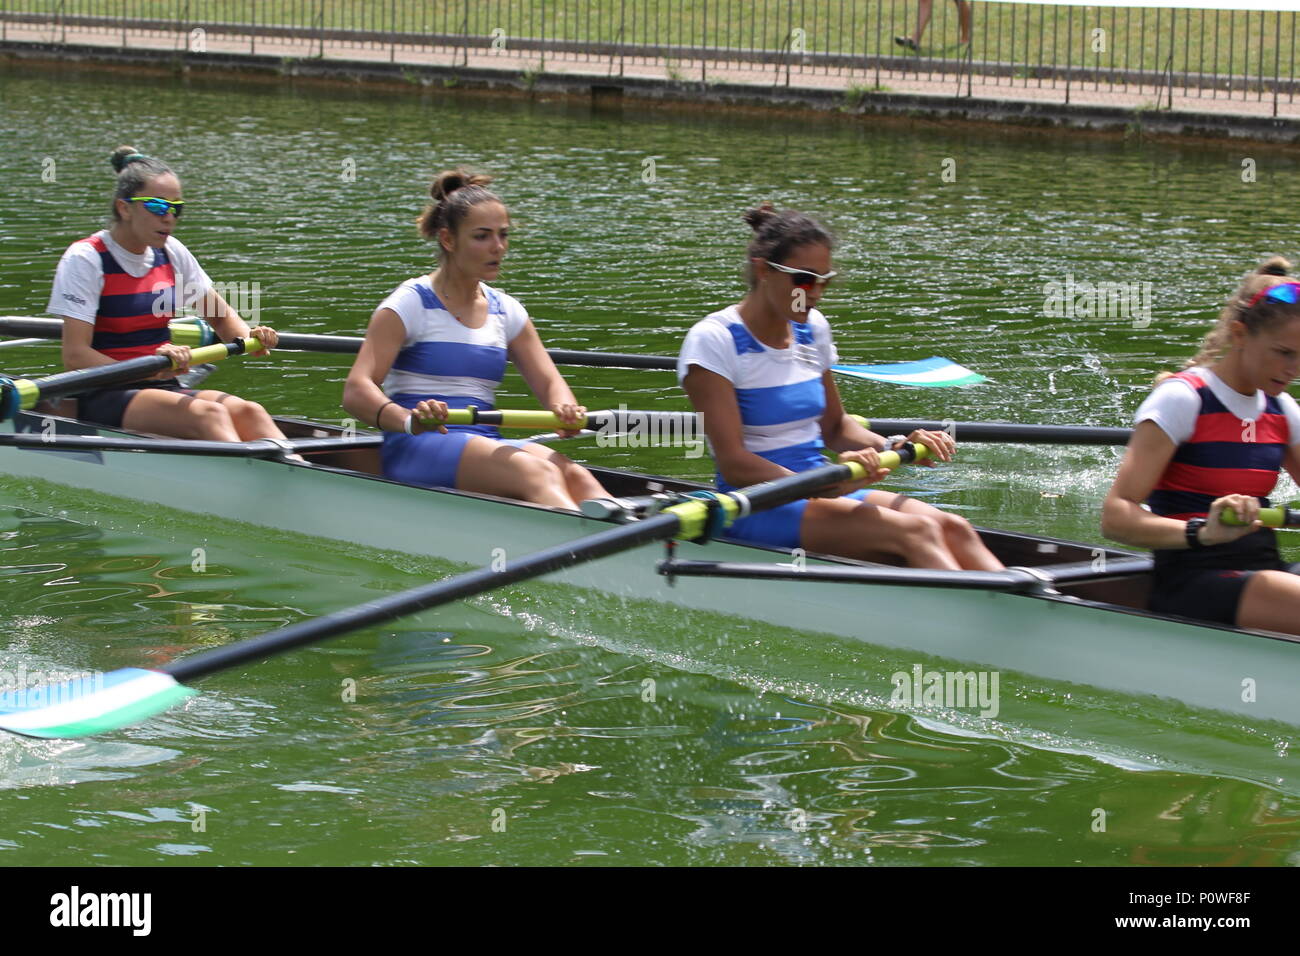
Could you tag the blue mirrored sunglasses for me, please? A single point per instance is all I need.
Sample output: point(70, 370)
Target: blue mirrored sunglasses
point(1287, 293)
point(160, 207)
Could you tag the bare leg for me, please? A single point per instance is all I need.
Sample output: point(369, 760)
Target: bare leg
point(890, 525)
point(163, 412)
point(925, 7)
point(250, 419)
point(963, 20)
point(868, 532)
point(580, 483)
point(963, 540)
point(1271, 602)
point(489, 467)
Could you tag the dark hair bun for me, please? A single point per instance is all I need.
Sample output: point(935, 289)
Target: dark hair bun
point(446, 183)
point(123, 156)
point(760, 216)
point(1276, 266)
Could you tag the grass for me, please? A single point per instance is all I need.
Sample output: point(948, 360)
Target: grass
point(1134, 38)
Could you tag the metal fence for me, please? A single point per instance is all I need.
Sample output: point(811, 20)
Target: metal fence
point(1043, 51)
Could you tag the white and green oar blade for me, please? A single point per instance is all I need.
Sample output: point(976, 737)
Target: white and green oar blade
point(90, 705)
point(934, 372)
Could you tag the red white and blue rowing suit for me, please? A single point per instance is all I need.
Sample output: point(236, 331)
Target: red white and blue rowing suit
point(129, 298)
point(781, 399)
point(1228, 443)
point(445, 360)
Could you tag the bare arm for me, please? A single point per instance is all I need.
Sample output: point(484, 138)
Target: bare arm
point(77, 353)
point(714, 397)
point(840, 431)
point(363, 398)
point(1292, 462)
point(227, 323)
point(538, 370)
point(543, 378)
point(1123, 518)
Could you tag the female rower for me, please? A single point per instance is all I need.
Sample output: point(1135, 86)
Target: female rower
point(117, 291)
point(759, 373)
point(1215, 436)
point(441, 341)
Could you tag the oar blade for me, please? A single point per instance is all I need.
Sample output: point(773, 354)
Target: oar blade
point(93, 705)
point(934, 372)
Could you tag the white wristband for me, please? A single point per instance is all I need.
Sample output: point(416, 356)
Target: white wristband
point(409, 418)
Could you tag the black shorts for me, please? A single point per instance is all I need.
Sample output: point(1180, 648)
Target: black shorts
point(106, 406)
point(1186, 582)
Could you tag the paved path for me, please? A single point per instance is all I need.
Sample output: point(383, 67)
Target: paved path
point(1087, 93)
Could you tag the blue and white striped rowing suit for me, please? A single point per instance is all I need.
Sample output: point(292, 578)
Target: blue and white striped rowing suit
point(781, 399)
point(444, 360)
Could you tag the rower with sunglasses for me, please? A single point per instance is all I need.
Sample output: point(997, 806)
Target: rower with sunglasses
point(118, 291)
point(1215, 436)
point(759, 374)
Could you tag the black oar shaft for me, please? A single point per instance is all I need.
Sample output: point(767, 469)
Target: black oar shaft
point(427, 596)
point(612, 360)
point(351, 344)
point(25, 393)
point(1008, 432)
point(622, 538)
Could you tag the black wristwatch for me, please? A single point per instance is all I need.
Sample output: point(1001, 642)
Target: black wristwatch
point(1194, 526)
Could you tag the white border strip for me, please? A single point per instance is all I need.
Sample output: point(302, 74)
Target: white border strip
point(1262, 6)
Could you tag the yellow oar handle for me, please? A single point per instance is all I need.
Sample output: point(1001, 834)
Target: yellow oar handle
point(502, 418)
point(1269, 517)
point(215, 353)
point(695, 515)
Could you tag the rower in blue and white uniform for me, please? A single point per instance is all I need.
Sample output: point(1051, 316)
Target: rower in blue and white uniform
point(441, 341)
point(759, 374)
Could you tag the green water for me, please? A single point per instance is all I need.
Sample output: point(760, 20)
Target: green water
point(489, 733)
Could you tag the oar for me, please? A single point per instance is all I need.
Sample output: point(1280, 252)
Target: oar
point(23, 393)
point(620, 421)
point(129, 696)
point(931, 372)
point(1268, 517)
point(688, 423)
point(1006, 431)
point(934, 372)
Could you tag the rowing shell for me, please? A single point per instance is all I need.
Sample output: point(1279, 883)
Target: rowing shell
point(1075, 617)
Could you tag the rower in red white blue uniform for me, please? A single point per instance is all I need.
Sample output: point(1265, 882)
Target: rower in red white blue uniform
point(1212, 437)
point(119, 288)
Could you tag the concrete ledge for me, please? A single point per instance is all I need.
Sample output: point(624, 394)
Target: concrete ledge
point(609, 89)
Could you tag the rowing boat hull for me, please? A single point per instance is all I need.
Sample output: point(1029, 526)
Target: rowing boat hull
point(1044, 635)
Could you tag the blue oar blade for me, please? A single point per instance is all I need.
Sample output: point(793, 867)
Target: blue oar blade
point(91, 705)
point(934, 372)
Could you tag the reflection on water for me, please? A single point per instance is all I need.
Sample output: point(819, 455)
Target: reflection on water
point(470, 735)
